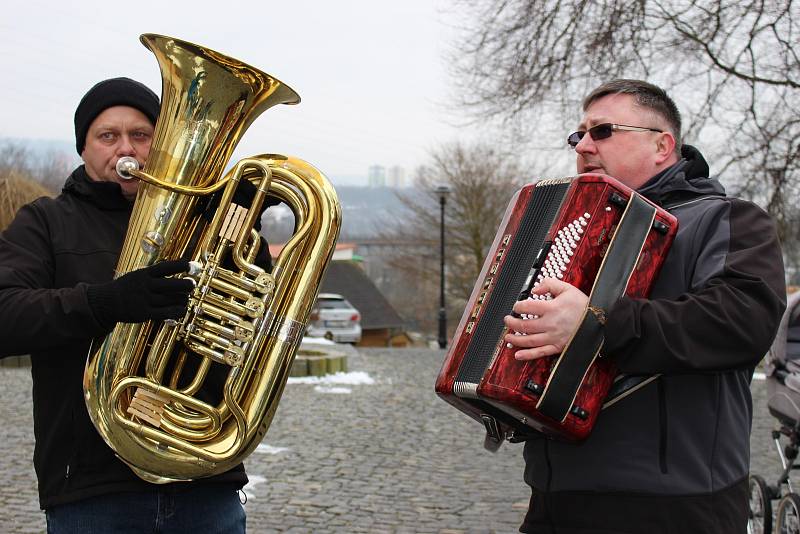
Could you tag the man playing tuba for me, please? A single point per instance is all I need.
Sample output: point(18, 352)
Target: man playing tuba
point(57, 262)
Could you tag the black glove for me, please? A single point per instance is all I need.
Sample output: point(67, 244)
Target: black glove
point(142, 295)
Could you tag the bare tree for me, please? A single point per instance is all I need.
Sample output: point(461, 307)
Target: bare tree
point(481, 181)
point(733, 67)
point(50, 169)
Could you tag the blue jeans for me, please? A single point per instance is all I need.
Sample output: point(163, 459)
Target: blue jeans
point(193, 510)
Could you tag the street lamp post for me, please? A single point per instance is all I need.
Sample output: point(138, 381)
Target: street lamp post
point(442, 191)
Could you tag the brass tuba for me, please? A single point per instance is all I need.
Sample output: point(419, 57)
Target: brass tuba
point(147, 385)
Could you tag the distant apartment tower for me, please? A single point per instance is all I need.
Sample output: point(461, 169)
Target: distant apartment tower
point(376, 176)
point(396, 176)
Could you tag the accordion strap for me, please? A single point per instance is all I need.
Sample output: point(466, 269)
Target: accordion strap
point(620, 260)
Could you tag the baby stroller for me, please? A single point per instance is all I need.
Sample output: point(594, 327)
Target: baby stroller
point(783, 401)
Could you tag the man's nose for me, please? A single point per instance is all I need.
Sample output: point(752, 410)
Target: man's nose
point(125, 147)
point(585, 145)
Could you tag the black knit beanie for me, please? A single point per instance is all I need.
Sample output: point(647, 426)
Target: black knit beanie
point(109, 93)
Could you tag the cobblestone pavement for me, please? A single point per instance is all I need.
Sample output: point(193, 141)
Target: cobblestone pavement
point(382, 457)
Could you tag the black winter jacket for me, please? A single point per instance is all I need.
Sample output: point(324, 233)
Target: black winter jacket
point(710, 318)
point(49, 254)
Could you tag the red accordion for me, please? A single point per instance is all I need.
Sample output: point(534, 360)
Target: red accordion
point(590, 231)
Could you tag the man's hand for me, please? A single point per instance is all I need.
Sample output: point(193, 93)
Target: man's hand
point(149, 293)
point(550, 323)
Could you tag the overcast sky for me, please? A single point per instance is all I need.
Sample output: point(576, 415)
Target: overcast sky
point(370, 73)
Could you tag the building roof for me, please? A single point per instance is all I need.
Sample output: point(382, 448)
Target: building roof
point(349, 280)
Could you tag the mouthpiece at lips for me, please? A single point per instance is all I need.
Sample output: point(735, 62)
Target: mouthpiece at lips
point(125, 165)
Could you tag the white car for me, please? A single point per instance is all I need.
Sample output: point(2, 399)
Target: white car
point(335, 319)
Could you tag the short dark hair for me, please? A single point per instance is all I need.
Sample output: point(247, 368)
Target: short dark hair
point(647, 96)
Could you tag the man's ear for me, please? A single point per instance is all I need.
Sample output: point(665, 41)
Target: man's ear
point(665, 147)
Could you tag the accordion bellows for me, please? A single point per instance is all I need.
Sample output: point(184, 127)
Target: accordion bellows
point(584, 230)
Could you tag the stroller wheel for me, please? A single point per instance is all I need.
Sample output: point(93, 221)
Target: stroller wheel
point(760, 507)
point(789, 514)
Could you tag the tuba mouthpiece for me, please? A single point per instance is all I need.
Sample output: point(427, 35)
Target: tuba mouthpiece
point(125, 165)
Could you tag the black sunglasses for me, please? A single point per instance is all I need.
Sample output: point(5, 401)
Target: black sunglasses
point(603, 131)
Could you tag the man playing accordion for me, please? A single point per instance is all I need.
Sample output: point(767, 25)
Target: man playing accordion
point(673, 456)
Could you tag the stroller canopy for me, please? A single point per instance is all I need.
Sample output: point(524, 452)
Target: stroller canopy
point(785, 350)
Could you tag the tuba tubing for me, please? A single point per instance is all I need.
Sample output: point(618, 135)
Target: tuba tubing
point(191, 398)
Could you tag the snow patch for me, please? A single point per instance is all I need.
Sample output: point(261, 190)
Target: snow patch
point(356, 378)
point(327, 389)
point(269, 449)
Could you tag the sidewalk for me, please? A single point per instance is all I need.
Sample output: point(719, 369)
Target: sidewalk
point(339, 457)
point(375, 451)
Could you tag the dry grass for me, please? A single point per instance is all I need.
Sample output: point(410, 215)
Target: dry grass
point(15, 191)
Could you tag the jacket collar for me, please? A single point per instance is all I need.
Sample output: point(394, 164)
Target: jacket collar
point(104, 195)
point(685, 180)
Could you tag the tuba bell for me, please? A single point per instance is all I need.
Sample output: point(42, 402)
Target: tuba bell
point(191, 398)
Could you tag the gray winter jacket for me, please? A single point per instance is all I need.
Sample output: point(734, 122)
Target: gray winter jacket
point(710, 318)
